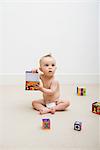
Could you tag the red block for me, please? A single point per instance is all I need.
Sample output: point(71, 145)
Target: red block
point(96, 108)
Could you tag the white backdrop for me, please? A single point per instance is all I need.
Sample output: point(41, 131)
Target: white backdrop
point(99, 33)
point(30, 29)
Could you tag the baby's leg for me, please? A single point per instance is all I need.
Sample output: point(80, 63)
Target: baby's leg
point(62, 105)
point(40, 106)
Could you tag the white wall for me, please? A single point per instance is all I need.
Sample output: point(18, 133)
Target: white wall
point(68, 29)
point(99, 36)
point(99, 32)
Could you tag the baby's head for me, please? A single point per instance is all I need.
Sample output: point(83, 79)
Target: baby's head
point(48, 65)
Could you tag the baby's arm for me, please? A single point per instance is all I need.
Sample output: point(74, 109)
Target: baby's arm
point(49, 91)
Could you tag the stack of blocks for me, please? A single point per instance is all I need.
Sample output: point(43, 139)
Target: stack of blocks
point(32, 80)
point(81, 91)
point(77, 125)
point(45, 123)
point(96, 108)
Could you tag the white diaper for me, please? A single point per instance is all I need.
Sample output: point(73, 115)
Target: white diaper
point(50, 105)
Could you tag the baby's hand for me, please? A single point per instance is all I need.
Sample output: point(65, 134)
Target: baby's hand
point(39, 86)
point(34, 71)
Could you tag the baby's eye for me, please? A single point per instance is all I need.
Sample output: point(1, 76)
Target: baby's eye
point(46, 65)
point(53, 65)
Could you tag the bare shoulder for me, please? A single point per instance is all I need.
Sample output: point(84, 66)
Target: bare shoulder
point(54, 81)
point(41, 75)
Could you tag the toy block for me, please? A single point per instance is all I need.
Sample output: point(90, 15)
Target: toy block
point(81, 91)
point(45, 123)
point(77, 125)
point(96, 108)
point(32, 80)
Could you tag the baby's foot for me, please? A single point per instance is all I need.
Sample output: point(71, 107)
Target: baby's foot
point(44, 111)
point(53, 111)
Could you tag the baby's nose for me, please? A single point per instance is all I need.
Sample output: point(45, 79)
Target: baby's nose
point(50, 67)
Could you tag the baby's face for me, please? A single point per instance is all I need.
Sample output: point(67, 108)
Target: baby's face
point(48, 66)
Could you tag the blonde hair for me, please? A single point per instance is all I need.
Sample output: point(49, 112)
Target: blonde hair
point(48, 55)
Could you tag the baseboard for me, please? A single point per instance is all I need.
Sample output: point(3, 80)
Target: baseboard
point(79, 78)
point(19, 79)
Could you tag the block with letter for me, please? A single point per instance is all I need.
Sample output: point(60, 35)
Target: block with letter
point(81, 91)
point(45, 123)
point(96, 108)
point(77, 125)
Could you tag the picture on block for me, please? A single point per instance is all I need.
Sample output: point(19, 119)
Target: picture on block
point(32, 79)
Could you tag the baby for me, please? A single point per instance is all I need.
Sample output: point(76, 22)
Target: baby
point(49, 87)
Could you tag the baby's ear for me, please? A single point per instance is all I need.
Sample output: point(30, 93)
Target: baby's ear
point(40, 69)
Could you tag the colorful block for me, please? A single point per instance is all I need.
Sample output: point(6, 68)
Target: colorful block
point(32, 80)
point(45, 123)
point(81, 91)
point(96, 108)
point(77, 125)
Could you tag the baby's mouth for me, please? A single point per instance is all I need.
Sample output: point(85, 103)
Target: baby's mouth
point(50, 71)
